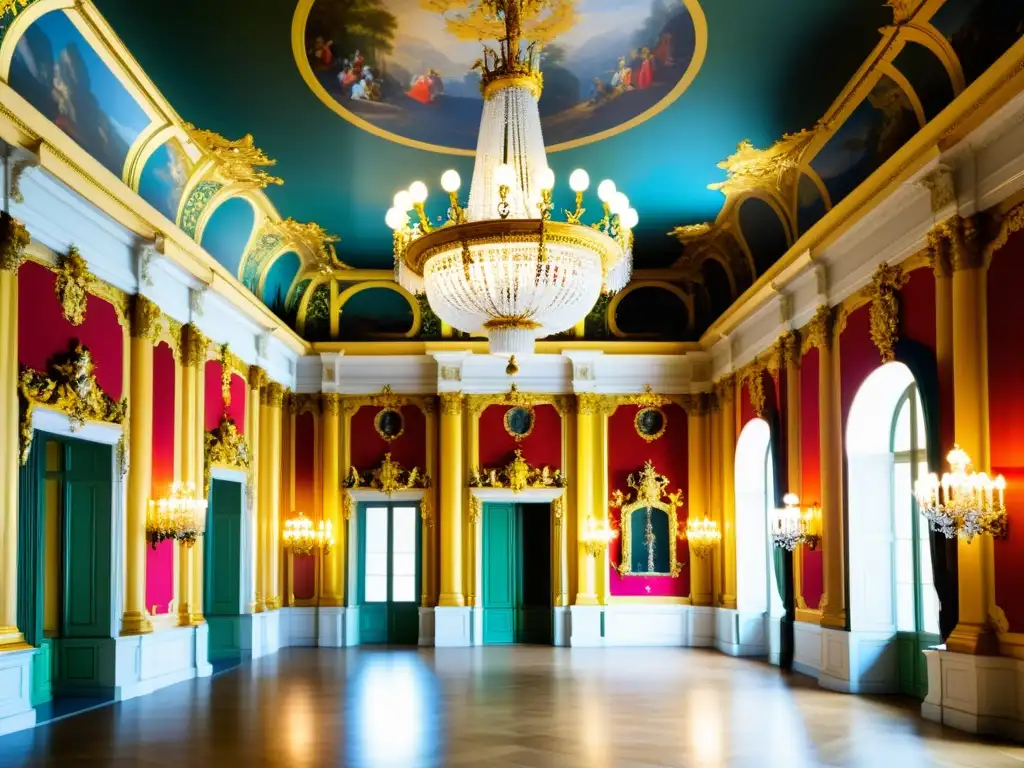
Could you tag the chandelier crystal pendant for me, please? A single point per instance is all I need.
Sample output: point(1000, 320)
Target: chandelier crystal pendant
point(179, 516)
point(703, 536)
point(501, 267)
point(302, 537)
point(963, 502)
point(792, 526)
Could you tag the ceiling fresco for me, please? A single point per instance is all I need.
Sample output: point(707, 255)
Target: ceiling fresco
point(409, 70)
point(276, 132)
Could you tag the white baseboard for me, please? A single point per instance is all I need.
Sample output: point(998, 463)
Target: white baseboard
point(561, 629)
point(16, 711)
point(332, 625)
point(978, 694)
point(426, 637)
point(453, 627)
point(806, 648)
point(740, 633)
point(585, 626)
point(858, 662)
point(299, 626)
point(146, 663)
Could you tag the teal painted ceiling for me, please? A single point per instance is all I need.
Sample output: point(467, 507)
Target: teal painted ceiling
point(771, 67)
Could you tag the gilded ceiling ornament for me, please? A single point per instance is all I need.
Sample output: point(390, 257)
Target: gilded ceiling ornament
point(13, 6)
point(224, 447)
point(72, 285)
point(313, 238)
point(451, 403)
point(903, 10)
point(14, 239)
point(818, 332)
point(774, 169)
point(389, 477)
point(884, 312)
point(517, 476)
point(72, 389)
point(689, 233)
point(195, 345)
point(225, 376)
point(649, 493)
point(235, 160)
point(257, 377)
point(146, 317)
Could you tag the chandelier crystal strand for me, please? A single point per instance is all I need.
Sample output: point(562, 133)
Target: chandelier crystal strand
point(963, 502)
point(502, 268)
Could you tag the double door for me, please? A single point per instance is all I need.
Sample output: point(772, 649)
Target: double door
point(389, 574)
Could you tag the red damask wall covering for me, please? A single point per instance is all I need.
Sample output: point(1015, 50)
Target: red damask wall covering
point(627, 452)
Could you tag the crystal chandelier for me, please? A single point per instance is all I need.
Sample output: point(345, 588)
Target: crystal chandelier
point(501, 267)
point(180, 516)
point(302, 537)
point(963, 502)
point(596, 536)
point(793, 526)
point(703, 536)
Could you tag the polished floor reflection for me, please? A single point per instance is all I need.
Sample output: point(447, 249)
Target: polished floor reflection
point(521, 706)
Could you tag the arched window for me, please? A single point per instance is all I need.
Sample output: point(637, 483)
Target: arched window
point(917, 604)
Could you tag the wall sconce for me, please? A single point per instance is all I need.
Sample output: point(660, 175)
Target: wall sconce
point(703, 536)
point(303, 538)
point(179, 516)
point(596, 536)
point(963, 503)
point(793, 526)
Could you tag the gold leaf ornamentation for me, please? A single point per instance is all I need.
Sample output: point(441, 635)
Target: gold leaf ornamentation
point(389, 477)
point(146, 319)
point(72, 285)
point(257, 377)
point(426, 510)
point(235, 160)
point(195, 346)
point(13, 6)
point(649, 493)
point(313, 238)
point(517, 476)
point(725, 389)
point(14, 239)
point(476, 509)
point(451, 403)
point(754, 379)
point(70, 388)
point(1008, 223)
point(903, 10)
point(275, 394)
point(818, 332)
point(688, 233)
point(225, 376)
point(225, 446)
point(884, 312)
point(774, 169)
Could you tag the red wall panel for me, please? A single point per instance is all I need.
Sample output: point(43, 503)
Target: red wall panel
point(368, 447)
point(858, 359)
point(1006, 418)
point(43, 333)
point(627, 452)
point(810, 470)
point(214, 399)
point(160, 561)
point(543, 446)
point(305, 497)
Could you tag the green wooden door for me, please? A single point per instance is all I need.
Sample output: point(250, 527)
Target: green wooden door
point(86, 603)
point(500, 571)
point(389, 574)
point(224, 550)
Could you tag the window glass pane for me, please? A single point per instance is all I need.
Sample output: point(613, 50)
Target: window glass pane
point(403, 564)
point(376, 589)
point(377, 530)
point(906, 620)
point(404, 589)
point(904, 561)
point(930, 610)
point(902, 502)
point(404, 531)
point(922, 438)
point(376, 565)
point(901, 434)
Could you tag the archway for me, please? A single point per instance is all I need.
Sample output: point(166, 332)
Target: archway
point(757, 582)
point(892, 596)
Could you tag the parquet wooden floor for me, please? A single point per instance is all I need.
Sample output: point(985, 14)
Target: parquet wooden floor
point(519, 706)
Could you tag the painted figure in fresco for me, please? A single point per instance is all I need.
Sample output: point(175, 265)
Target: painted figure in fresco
point(359, 92)
point(663, 53)
point(646, 77)
point(420, 90)
point(599, 93)
point(322, 55)
point(347, 77)
point(622, 80)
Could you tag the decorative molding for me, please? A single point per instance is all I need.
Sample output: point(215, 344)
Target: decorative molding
point(146, 319)
point(450, 373)
point(72, 286)
point(257, 377)
point(518, 475)
point(197, 300)
point(774, 170)
point(224, 447)
point(818, 332)
point(72, 389)
point(638, 424)
point(451, 403)
point(148, 253)
point(195, 346)
point(477, 404)
point(476, 509)
point(885, 308)
point(225, 375)
point(426, 510)
point(965, 239)
point(14, 239)
point(753, 377)
point(903, 10)
point(649, 493)
point(942, 185)
point(312, 238)
point(1010, 222)
point(389, 477)
point(19, 166)
point(237, 160)
point(274, 393)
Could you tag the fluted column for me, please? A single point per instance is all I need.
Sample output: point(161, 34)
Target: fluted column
point(145, 316)
point(254, 412)
point(451, 501)
point(334, 562)
point(588, 409)
point(699, 448)
point(11, 254)
point(275, 401)
point(726, 391)
point(830, 447)
point(974, 632)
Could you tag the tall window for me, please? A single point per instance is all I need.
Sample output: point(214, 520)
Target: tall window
point(917, 604)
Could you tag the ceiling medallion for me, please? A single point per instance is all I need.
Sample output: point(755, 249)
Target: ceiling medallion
point(500, 267)
point(409, 70)
point(650, 423)
point(389, 423)
point(520, 421)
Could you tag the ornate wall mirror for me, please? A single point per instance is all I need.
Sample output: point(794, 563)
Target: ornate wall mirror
point(650, 423)
point(519, 421)
point(389, 423)
point(649, 526)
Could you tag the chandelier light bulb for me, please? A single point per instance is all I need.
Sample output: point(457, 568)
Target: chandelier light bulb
point(630, 218)
point(618, 204)
point(790, 499)
point(418, 192)
point(606, 190)
point(450, 181)
point(403, 201)
point(546, 179)
point(396, 218)
point(579, 180)
point(504, 175)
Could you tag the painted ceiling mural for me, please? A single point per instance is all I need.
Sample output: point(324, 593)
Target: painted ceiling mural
point(279, 148)
point(409, 70)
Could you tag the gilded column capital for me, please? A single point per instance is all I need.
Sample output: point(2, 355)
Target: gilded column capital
point(724, 389)
point(884, 312)
point(753, 375)
point(939, 255)
point(817, 333)
point(966, 241)
point(332, 403)
point(195, 346)
point(275, 394)
point(696, 403)
point(14, 239)
point(145, 319)
point(451, 403)
point(257, 377)
point(589, 404)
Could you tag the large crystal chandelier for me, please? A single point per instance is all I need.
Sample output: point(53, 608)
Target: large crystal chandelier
point(501, 267)
point(963, 502)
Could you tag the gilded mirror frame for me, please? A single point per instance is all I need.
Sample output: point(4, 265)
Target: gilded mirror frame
point(626, 533)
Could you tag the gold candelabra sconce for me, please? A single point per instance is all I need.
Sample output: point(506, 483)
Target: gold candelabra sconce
point(179, 516)
point(704, 536)
point(305, 538)
point(793, 526)
point(597, 535)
